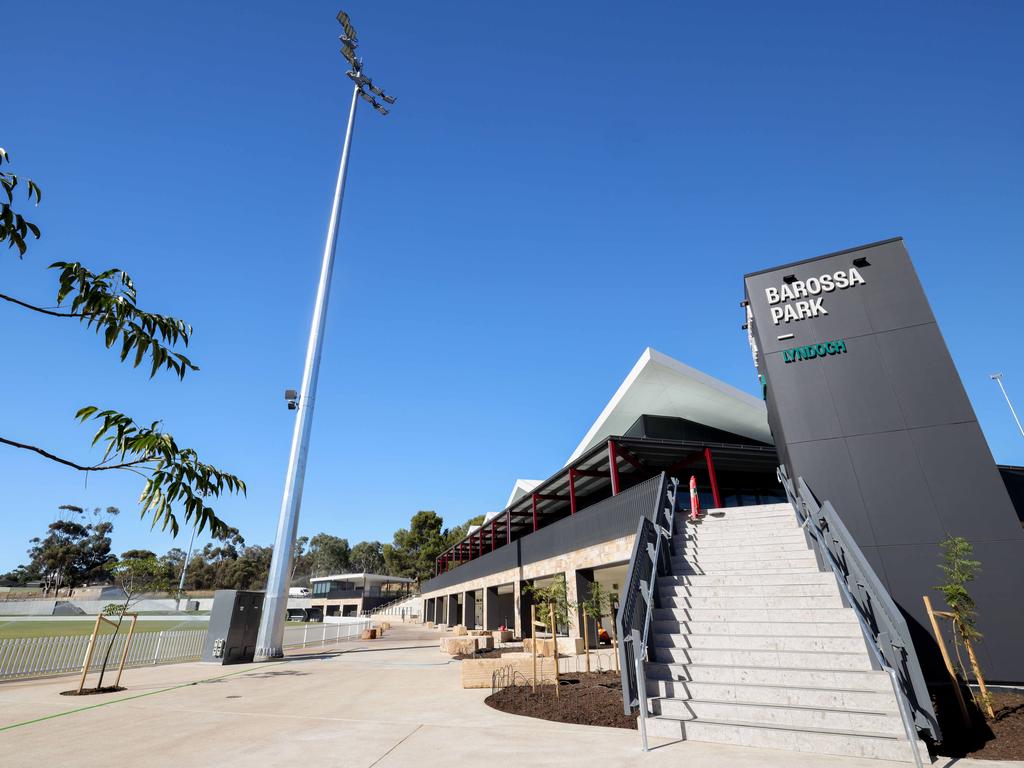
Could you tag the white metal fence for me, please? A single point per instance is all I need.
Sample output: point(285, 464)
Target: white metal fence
point(334, 629)
point(40, 656)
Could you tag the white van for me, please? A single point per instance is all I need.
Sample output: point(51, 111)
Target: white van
point(298, 592)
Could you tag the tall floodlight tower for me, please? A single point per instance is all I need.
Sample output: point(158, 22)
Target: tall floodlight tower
point(271, 637)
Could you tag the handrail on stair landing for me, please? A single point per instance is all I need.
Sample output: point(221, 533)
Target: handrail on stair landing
point(636, 606)
point(884, 627)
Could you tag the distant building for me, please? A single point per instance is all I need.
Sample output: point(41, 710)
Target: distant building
point(350, 594)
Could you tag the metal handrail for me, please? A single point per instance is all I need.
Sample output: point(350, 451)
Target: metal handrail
point(884, 628)
point(648, 561)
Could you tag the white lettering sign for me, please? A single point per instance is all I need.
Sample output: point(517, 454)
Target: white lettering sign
point(800, 295)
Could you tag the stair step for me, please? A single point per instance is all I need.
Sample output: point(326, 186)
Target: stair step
point(775, 520)
point(736, 531)
point(734, 513)
point(745, 658)
point(801, 643)
point(728, 561)
point(812, 615)
point(860, 680)
point(754, 601)
point(847, 628)
point(795, 544)
point(699, 589)
point(681, 567)
point(747, 579)
point(785, 715)
point(808, 696)
point(818, 741)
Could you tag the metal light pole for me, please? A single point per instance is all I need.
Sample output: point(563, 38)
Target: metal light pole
point(271, 635)
point(998, 379)
point(184, 568)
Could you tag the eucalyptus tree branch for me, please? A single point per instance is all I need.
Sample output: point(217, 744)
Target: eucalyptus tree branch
point(34, 308)
point(72, 464)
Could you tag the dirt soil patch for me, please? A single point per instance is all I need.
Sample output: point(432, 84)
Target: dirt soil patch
point(587, 698)
point(999, 739)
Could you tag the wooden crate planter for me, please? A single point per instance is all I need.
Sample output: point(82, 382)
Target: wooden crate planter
point(502, 635)
point(477, 673)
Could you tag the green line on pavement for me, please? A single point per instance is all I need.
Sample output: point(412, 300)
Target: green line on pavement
point(136, 696)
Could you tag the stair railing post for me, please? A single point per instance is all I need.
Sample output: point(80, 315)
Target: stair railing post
point(641, 688)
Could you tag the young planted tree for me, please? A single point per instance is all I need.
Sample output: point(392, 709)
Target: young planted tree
point(597, 604)
point(553, 596)
point(960, 570)
point(106, 302)
point(137, 573)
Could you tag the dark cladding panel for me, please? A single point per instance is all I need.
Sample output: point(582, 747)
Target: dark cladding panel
point(860, 390)
point(881, 426)
point(898, 505)
point(805, 407)
point(914, 356)
point(956, 485)
point(895, 298)
point(829, 461)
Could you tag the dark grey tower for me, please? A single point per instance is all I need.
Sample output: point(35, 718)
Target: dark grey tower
point(866, 405)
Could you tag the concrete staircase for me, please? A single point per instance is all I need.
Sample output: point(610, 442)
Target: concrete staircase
point(752, 646)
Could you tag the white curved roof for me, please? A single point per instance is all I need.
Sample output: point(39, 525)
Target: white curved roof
point(661, 386)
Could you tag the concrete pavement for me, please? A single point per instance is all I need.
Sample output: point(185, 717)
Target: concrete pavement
point(382, 704)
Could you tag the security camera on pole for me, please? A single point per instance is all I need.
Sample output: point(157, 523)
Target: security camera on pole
point(271, 637)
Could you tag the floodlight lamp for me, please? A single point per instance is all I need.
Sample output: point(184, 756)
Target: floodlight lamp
point(346, 24)
point(290, 394)
point(995, 376)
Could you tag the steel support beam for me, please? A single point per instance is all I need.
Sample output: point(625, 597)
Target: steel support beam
point(534, 499)
point(572, 491)
point(714, 479)
point(613, 467)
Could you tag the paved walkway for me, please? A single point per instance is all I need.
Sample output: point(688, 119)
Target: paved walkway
point(386, 704)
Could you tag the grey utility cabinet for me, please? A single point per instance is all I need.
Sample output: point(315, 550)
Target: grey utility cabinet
point(234, 626)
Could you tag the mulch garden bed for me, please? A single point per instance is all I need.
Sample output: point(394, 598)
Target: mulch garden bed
point(1000, 739)
point(587, 698)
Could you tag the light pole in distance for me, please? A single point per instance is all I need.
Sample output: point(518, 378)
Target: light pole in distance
point(998, 379)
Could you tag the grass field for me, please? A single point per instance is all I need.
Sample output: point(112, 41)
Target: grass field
point(75, 627)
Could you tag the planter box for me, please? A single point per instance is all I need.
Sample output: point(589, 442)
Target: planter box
point(369, 634)
point(502, 635)
point(458, 629)
point(478, 673)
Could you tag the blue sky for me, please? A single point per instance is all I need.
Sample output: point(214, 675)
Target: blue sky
point(559, 186)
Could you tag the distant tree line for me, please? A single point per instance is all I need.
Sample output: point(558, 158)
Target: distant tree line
point(76, 551)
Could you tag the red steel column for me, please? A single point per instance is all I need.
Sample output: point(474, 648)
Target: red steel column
point(534, 499)
point(494, 533)
point(481, 542)
point(508, 527)
point(714, 480)
point(613, 467)
point(572, 491)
